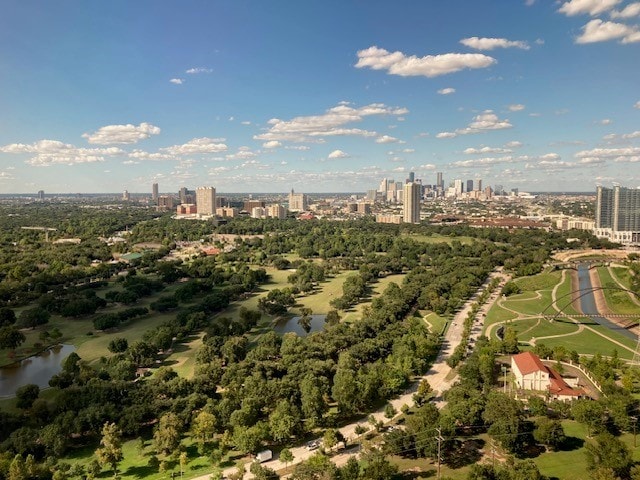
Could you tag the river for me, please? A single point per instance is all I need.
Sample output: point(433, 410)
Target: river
point(37, 370)
point(588, 303)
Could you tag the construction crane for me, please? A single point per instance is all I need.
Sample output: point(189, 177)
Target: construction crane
point(45, 229)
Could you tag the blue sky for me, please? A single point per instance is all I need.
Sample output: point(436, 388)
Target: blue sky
point(265, 96)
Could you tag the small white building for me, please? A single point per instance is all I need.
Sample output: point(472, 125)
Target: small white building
point(531, 374)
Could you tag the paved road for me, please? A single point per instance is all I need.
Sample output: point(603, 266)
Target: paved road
point(437, 376)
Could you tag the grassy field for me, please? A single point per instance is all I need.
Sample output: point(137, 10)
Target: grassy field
point(542, 281)
point(435, 238)
point(135, 463)
point(618, 301)
point(436, 322)
point(623, 275)
point(563, 297)
point(546, 328)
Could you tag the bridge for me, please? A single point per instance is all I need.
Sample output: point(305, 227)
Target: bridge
point(590, 315)
point(573, 264)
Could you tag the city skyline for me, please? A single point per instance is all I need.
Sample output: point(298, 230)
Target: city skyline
point(331, 97)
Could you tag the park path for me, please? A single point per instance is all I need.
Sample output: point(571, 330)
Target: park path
point(439, 376)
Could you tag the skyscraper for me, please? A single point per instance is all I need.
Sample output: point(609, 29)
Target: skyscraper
point(206, 200)
point(297, 202)
point(440, 181)
point(411, 199)
point(469, 185)
point(618, 214)
point(41, 195)
point(154, 192)
point(412, 177)
point(479, 183)
point(458, 186)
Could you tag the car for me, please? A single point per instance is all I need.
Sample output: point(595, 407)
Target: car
point(313, 445)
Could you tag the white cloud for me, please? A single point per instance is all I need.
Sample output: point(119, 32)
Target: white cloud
point(243, 153)
point(516, 107)
point(196, 70)
point(630, 11)
point(591, 7)
point(198, 146)
point(6, 176)
point(397, 63)
point(297, 147)
point(625, 136)
point(606, 121)
point(176, 81)
point(396, 159)
point(528, 3)
point(600, 31)
point(485, 150)
point(272, 144)
point(539, 41)
point(480, 162)
point(338, 154)
point(483, 122)
point(427, 166)
point(245, 122)
point(54, 152)
point(386, 139)
point(447, 91)
point(478, 43)
point(637, 105)
point(121, 134)
point(142, 155)
point(408, 150)
point(314, 128)
point(513, 144)
point(609, 152)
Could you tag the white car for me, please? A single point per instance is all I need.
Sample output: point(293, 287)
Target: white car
point(313, 445)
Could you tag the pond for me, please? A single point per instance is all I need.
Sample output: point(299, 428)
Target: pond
point(37, 370)
point(291, 325)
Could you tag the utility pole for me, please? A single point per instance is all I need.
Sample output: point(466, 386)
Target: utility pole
point(439, 438)
point(635, 422)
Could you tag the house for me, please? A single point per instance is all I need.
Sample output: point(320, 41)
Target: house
point(531, 374)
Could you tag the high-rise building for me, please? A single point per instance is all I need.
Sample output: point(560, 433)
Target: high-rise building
point(41, 195)
point(458, 186)
point(276, 211)
point(439, 181)
point(154, 192)
point(165, 202)
point(372, 195)
point(206, 200)
point(412, 177)
point(411, 202)
point(469, 185)
point(126, 196)
point(618, 214)
point(383, 187)
point(297, 202)
point(479, 184)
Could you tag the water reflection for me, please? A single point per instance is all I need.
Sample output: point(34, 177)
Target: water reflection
point(291, 325)
point(37, 370)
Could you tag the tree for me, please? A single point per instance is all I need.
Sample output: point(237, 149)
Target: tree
point(549, 432)
point(26, 395)
point(332, 318)
point(11, 338)
point(284, 421)
point(166, 436)
point(505, 416)
point(607, 451)
point(203, 428)
point(118, 345)
point(377, 467)
point(591, 413)
point(330, 438)
point(33, 317)
point(110, 450)
point(286, 456)
point(305, 319)
point(7, 317)
point(389, 411)
point(423, 394)
point(184, 459)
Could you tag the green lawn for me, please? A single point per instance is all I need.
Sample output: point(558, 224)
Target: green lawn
point(563, 297)
point(436, 322)
point(435, 238)
point(590, 343)
point(623, 275)
point(546, 328)
point(618, 301)
point(135, 463)
point(542, 281)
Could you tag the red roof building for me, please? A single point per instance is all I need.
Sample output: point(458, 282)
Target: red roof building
point(531, 374)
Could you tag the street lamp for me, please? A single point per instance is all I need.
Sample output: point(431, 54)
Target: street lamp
point(504, 373)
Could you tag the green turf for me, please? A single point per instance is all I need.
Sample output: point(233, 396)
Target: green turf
point(435, 238)
point(436, 322)
point(546, 328)
point(542, 281)
point(618, 301)
point(590, 343)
